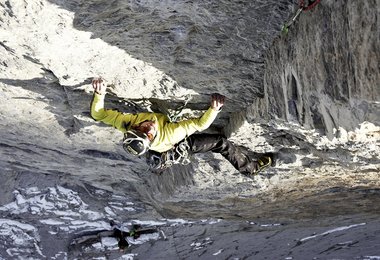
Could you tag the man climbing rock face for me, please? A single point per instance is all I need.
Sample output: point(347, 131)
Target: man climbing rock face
point(166, 143)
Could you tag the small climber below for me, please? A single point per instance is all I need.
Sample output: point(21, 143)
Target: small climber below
point(166, 143)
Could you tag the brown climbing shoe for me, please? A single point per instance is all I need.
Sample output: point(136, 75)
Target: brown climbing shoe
point(255, 167)
point(263, 162)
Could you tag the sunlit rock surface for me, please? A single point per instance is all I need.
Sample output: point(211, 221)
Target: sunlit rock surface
point(311, 95)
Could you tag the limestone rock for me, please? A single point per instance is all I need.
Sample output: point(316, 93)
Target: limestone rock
point(324, 74)
point(312, 96)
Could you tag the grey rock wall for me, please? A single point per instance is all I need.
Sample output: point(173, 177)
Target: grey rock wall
point(62, 174)
point(223, 43)
point(324, 74)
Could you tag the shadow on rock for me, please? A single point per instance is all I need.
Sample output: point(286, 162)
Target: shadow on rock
point(202, 39)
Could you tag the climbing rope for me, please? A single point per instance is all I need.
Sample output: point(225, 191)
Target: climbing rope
point(302, 8)
point(175, 115)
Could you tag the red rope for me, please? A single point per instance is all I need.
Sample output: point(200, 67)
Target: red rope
point(307, 8)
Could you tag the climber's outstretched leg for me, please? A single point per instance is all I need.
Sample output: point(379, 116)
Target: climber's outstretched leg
point(200, 143)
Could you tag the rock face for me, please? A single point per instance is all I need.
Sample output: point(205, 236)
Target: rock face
point(312, 96)
point(325, 73)
point(222, 43)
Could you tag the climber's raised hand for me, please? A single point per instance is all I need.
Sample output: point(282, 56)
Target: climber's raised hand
point(217, 101)
point(99, 86)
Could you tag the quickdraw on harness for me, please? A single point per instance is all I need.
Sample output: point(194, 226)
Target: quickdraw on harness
point(178, 155)
point(302, 7)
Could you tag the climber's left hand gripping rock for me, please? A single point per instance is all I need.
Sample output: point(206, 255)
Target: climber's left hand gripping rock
point(99, 86)
point(217, 101)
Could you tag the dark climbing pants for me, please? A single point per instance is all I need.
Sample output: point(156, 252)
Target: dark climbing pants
point(201, 143)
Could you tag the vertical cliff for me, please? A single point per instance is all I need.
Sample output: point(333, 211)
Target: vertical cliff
point(324, 74)
point(311, 96)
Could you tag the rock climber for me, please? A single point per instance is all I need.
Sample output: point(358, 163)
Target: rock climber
point(166, 143)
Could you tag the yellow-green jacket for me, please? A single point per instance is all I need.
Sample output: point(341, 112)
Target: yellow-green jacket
point(168, 133)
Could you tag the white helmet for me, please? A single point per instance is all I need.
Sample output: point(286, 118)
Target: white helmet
point(136, 142)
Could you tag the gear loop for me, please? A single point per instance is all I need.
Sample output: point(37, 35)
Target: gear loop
point(177, 155)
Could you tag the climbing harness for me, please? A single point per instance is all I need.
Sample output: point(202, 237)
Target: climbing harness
point(178, 155)
point(302, 8)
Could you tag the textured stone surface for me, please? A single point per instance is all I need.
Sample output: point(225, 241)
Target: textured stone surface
point(325, 73)
point(313, 96)
point(223, 43)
